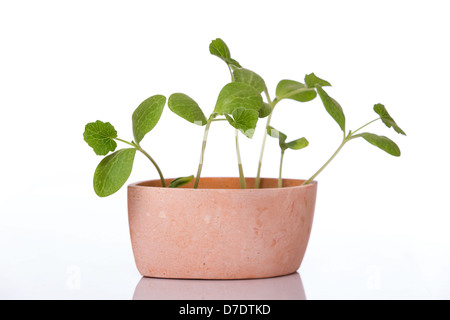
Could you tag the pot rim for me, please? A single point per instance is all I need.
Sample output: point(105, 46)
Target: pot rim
point(138, 184)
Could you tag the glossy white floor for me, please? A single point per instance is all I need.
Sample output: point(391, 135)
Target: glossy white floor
point(96, 262)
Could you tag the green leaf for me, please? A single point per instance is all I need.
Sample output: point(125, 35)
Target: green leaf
point(219, 48)
point(294, 145)
point(312, 80)
point(249, 77)
point(290, 89)
point(147, 115)
point(265, 110)
point(298, 144)
point(100, 137)
point(237, 95)
point(244, 120)
point(333, 107)
point(187, 108)
point(381, 142)
point(386, 118)
point(113, 171)
point(178, 182)
point(274, 133)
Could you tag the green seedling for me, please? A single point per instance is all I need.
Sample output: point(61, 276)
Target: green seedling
point(241, 103)
point(294, 145)
point(115, 169)
point(382, 142)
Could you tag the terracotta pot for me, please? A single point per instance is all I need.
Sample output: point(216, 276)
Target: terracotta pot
point(220, 231)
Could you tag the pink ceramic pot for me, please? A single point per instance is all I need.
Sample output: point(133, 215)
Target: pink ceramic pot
point(220, 231)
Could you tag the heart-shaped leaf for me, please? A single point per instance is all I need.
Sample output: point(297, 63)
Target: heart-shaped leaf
point(332, 107)
point(113, 171)
point(249, 77)
point(244, 120)
point(187, 108)
point(290, 89)
point(219, 48)
point(147, 115)
point(386, 118)
point(100, 137)
point(178, 182)
point(312, 80)
point(381, 142)
point(237, 95)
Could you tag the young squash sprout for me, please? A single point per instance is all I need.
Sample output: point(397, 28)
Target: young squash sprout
point(382, 142)
point(115, 169)
point(294, 145)
point(241, 104)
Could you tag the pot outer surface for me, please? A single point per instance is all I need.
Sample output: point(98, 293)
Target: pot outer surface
point(220, 231)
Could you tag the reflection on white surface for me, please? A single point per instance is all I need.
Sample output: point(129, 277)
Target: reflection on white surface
point(288, 287)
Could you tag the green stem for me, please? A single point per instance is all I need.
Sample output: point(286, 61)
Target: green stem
point(280, 178)
point(326, 163)
point(272, 105)
point(231, 73)
point(200, 165)
point(163, 181)
point(241, 170)
point(138, 147)
point(364, 125)
point(346, 139)
point(130, 143)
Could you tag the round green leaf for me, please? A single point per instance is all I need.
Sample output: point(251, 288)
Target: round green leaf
point(113, 171)
point(237, 95)
point(244, 120)
point(187, 108)
point(100, 137)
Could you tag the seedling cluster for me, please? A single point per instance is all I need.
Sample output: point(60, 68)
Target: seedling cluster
point(241, 103)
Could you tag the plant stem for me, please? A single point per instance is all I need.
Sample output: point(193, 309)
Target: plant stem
point(326, 163)
point(351, 135)
point(272, 105)
point(241, 170)
point(163, 181)
point(365, 125)
point(138, 147)
point(280, 179)
point(200, 165)
point(130, 143)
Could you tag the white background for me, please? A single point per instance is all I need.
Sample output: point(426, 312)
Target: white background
point(381, 223)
